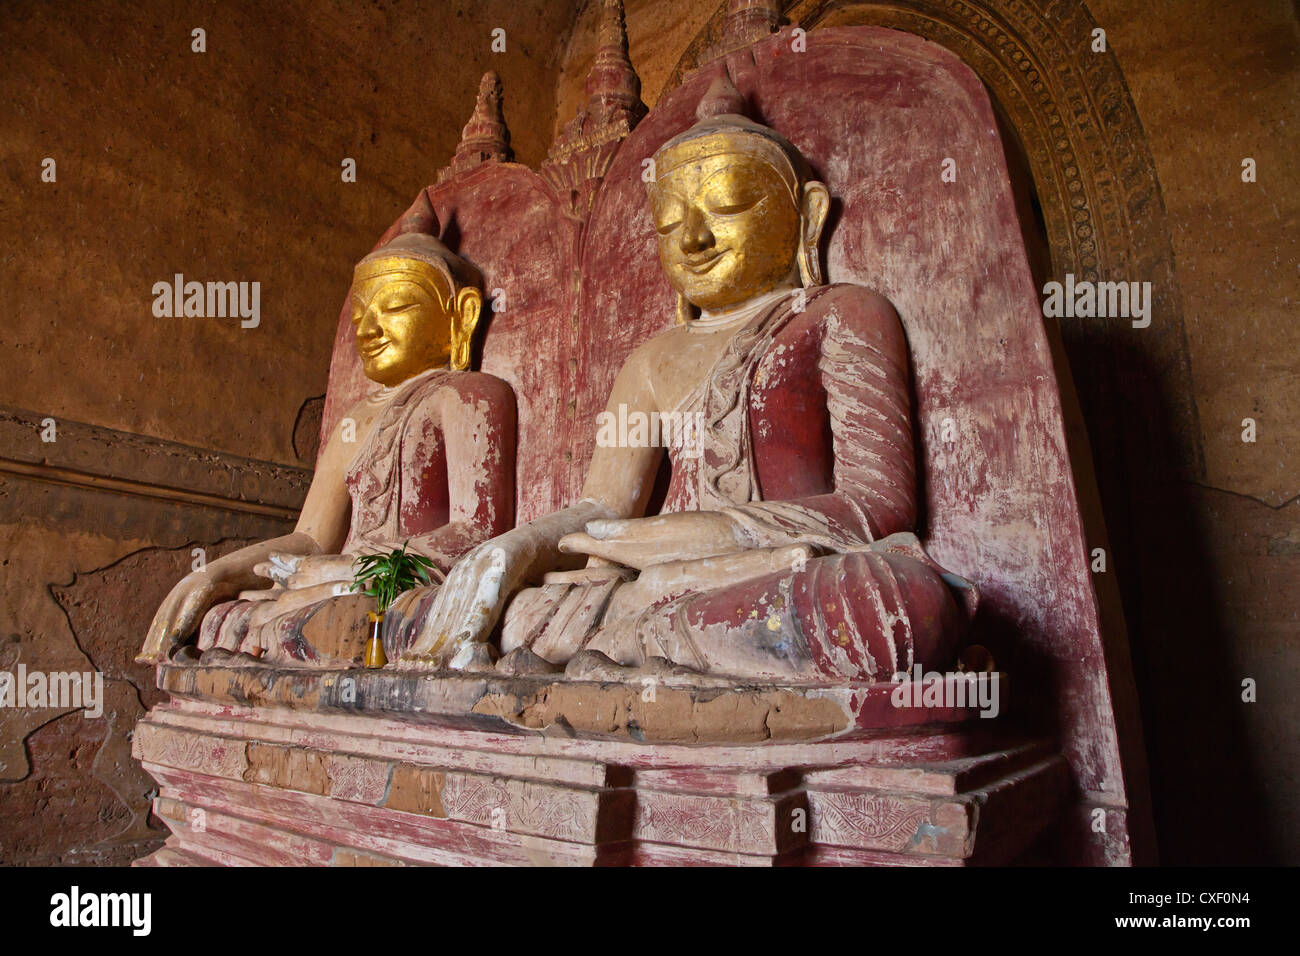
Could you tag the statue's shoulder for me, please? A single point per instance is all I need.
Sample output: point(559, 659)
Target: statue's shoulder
point(666, 342)
point(474, 393)
point(460, 395)
point(475, 387)
point(854, 303)
point(845, 309)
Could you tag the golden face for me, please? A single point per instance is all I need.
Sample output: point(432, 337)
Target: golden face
point(728, 228)
point(402, 327)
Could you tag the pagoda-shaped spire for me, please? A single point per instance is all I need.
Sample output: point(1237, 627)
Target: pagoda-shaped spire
point(485, 137)
point(613, 88)
point(746, 22)
point(581, 154)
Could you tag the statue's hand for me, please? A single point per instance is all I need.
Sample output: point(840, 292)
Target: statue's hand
point(469, 603)
point(644, 542)
point(279, 566)
point(182, 612)
point(321, 569)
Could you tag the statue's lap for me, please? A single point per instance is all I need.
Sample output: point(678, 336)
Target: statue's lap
point(864, 615)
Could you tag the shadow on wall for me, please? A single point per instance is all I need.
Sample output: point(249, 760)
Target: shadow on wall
point(1210, 802)
point(1209, 798)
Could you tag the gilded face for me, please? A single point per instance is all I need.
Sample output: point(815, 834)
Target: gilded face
point(728, 228)
point(402, 327)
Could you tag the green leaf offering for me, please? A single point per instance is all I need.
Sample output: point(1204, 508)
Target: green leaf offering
point(385, 576)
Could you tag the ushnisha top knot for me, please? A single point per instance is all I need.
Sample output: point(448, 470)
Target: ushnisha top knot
point(722, 127)
point(720, 99)
point(399, 252)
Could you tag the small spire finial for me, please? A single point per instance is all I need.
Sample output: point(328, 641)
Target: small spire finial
point(721, 98)
point(746, 22)
point(612, 84)
point(580, 155)
point(485, 137)
point(750, 20)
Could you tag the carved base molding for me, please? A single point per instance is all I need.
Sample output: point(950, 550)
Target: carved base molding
point(312, 782)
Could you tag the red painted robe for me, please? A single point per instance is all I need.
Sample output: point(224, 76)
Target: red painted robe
point(402, 486)
point(806, 439)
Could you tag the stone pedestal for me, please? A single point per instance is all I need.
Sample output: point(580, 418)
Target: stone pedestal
point(258, 766)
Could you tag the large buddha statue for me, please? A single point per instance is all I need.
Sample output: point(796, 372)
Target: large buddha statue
point(427, 458)
point(784, 548)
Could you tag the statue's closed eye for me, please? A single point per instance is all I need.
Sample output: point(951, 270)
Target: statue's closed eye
point(731, 190)
point(731, 207)
point(668, 214)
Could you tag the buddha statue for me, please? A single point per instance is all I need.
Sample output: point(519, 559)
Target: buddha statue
point(784, 550)
point(427, 458)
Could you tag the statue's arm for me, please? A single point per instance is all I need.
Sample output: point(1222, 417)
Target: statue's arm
point(322, 527)
point(863, 366)
point(865, 371)
point(328, 509)
point(622, 478)
point(479, 431)
point(470, 601)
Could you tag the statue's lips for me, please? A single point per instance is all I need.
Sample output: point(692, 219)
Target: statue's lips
point(372, 351)
point(700, 266)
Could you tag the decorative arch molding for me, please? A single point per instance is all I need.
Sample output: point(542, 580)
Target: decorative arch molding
point(1095, 179)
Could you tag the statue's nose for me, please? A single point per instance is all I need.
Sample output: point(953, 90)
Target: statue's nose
point(368, 327)
point(696, 236)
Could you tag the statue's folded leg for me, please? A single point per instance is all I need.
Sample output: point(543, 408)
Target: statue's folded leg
point(858, 616)
point(573, 619)
point(403, 619)
point(327, 633)
point(225, 625)
point(529, 613)
point(210, 629)
point(559, 619)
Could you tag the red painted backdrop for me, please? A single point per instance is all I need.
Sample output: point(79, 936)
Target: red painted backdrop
point(876, 112)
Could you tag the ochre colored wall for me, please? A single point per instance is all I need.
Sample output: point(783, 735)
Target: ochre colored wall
point(225, 165)
point(1215, 83)
point(222, 166)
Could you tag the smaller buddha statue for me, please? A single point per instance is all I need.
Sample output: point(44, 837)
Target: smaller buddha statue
point(427, 460)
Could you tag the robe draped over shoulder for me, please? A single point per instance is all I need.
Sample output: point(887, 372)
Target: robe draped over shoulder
point(401, 486)
point(805, 437)
point(386, 503)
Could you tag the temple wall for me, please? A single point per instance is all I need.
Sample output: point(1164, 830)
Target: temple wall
point(1215, 83)
point(223, 166)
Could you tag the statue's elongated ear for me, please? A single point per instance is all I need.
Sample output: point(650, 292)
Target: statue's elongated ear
point(465, 312)
point(812, 219)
